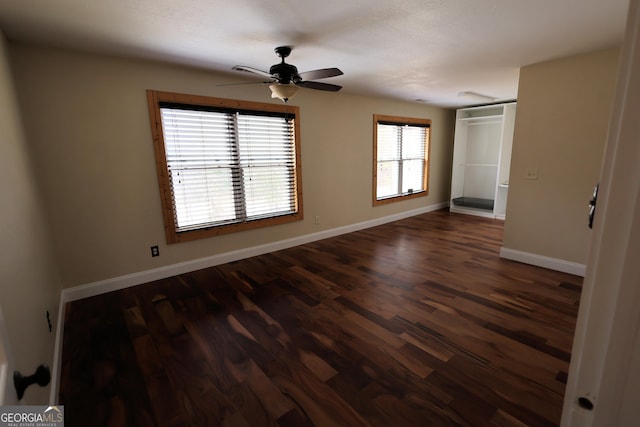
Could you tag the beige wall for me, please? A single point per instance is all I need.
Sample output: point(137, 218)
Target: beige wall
point(29, 281)
point(87, 122)
point(561, 128)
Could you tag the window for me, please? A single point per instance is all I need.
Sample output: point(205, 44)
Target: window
point(401, 158)
point(224, 165)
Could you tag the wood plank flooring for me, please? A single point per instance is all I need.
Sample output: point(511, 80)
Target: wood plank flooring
point(413, 323)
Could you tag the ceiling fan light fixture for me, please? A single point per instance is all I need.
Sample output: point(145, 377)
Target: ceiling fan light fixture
point(283, 91)
point(285, 79)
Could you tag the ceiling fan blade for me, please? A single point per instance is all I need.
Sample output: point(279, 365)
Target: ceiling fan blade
point(252, 70)
point(320, 74)
point(319, 86)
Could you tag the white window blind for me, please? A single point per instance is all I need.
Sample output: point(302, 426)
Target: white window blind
point(228, 166)
point(401, 159)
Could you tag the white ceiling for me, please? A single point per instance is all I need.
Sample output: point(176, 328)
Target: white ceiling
point(408, 49)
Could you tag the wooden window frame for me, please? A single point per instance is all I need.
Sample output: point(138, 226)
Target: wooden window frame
point(377, 118)
point(154, 99)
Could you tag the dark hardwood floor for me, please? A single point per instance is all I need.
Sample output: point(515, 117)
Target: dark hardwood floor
point(413, 323)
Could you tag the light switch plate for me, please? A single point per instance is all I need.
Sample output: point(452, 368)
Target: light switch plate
point(531, 173)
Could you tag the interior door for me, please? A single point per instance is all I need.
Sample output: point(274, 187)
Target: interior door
point(7, 391)
point(603, 387)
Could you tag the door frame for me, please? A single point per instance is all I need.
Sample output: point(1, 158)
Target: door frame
point(606, 350)
point(8, 394)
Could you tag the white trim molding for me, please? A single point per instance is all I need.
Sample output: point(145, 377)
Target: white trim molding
point(54, 391)
point(122, 282)
point(544, 261)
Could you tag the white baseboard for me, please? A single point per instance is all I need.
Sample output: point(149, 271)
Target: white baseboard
point(121, 282)
point(477, 212)
point(544, 261)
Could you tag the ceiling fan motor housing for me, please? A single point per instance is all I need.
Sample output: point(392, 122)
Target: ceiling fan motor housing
point(286, 73)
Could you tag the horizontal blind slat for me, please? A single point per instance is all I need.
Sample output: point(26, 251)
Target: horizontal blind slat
point(216, 158)
point(401, 157)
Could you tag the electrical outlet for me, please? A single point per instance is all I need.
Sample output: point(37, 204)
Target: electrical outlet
point(317, 219)
point(155, 251)
point(531, 173)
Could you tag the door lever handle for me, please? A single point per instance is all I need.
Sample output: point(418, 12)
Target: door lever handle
point(42, 376)
point(592, 205)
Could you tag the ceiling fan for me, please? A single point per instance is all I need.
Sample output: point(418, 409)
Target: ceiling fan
point(285, 79)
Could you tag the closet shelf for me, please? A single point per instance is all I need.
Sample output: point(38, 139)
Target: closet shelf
point(481, 155)
point(483, 119)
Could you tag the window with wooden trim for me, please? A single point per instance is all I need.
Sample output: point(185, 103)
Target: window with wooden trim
point(400, 158)
point(224, 165)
